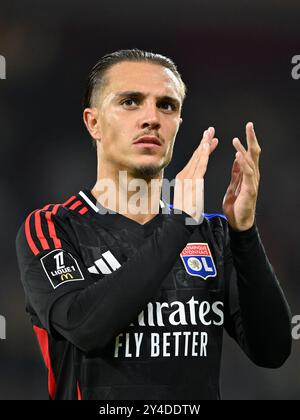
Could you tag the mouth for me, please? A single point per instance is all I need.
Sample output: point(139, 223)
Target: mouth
point(148, 141)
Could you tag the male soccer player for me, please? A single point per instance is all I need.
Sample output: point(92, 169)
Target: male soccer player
point(131, 304)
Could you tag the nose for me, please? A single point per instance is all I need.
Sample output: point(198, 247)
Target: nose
point(150, 118)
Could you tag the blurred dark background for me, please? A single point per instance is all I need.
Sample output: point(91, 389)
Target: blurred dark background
point(235, 58)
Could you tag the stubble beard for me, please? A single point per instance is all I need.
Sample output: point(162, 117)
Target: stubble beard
point(146, 171)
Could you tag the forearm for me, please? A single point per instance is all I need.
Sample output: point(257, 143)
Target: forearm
point(264, 310)
point(91, 317)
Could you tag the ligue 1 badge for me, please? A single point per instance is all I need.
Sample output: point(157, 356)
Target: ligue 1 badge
point(198, 261)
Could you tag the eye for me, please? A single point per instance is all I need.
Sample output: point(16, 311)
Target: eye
point(167, 106)
point(130, 102)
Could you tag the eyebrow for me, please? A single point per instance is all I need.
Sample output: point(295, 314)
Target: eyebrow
point(140, 95)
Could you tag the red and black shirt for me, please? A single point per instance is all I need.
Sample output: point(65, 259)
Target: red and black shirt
point(129, 311)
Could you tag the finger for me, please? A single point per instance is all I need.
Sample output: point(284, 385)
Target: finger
point(214, 143)
point(211, 132)
point(238, 185)
point(199, 167)
point(202, 148)
point(238, 146)
point(234, 185)
point(208, 138)
point(235, 167)
point(235, 176)
point(207, 146)
point(199, 160)
point(252, 142)
point(196, 155)
point(249, 177)
point(235, 173)
point(241, 149)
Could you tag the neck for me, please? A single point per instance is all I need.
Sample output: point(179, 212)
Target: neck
point(120, 191)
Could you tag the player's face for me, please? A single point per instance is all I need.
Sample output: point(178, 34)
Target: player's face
point(139, 116)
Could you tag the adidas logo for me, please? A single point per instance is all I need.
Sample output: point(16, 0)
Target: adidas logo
point(105, 265)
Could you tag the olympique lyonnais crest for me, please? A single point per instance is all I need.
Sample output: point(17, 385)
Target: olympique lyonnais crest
point(198, 261)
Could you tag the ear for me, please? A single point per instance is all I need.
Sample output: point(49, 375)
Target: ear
point(180, 121)
point(91, 121)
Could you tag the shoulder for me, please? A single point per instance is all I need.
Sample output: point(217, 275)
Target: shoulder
point(46, 227)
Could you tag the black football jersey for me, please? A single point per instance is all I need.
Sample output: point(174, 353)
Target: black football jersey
point(129, 311)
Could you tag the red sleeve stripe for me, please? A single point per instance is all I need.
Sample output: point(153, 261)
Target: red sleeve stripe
point(75, 205)
point(28, 235)
point(43, 340)
point(51, 227)
point(55, 208)
point(47, 206)
point(39, 230)
point(83, 210)
point(79, 396)
point(69, 200)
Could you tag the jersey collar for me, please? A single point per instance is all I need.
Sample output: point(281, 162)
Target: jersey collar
point(90, 200)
